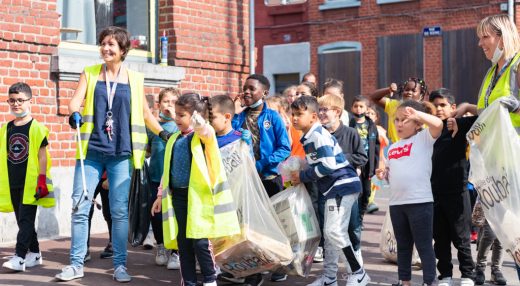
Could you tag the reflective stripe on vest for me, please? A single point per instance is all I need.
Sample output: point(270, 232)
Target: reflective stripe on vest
point(137, 125)
point(506, 85)
point(212, 212)
point(37, 132)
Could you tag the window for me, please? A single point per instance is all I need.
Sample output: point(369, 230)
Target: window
point(391, 1)
point(283, 81)
point(82, 20)
point(338, 4)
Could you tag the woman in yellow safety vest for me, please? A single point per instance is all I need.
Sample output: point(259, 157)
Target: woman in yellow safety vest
point(113, 138)
point(499, 39)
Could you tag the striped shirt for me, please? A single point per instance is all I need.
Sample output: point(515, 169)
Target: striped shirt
point(327, 164)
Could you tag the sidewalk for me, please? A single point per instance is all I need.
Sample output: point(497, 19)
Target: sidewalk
point(142, 267)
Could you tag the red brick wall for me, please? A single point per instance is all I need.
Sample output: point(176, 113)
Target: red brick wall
point(272, 23)
point(209, 39)
point(29, 35)
point(369, 21)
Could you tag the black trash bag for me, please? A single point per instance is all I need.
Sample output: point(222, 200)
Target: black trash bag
point(139, 206)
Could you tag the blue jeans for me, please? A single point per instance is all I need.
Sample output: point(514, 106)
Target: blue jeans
point(119, 169)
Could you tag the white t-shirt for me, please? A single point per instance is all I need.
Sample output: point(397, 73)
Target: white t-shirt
point(410, 169)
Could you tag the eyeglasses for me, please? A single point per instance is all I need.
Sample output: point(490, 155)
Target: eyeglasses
point(324, 109)
point(20, 101)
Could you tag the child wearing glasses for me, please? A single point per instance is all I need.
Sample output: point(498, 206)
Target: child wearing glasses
point(26, 160)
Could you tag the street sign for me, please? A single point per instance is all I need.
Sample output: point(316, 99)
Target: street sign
point(283, 2)
point(432, 31)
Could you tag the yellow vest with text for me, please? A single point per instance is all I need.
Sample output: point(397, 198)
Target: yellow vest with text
point(506, 85)
point(137, 125)
point(37, 132)
point(211, 210)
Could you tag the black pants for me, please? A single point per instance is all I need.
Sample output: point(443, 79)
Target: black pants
point(156, 219)
point(273, 186)
point(105, 206)
point(363, 197)
point(189, 247)
point(26, 239)
point(451, 224)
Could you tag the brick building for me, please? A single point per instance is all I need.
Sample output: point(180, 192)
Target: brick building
point(371, 43)
point(47, 43)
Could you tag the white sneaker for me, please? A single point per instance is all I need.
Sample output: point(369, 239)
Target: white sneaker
point(70, 273)
point(318, 257)
point(161, 258)
point(16, 263)
point(173, 262)
point(466, 282)
point(149, 241)
point(359, 278)
point(446, 281)
point(323, 281)
point(32, 259)
point(359, 257)
point(214, 283)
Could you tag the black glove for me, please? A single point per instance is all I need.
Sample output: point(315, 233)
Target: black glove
point(72, 120)
point(512, 104)
point(165, 135)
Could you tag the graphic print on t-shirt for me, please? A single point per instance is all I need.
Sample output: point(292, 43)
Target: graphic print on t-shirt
point(18, 148)
point(398, 152)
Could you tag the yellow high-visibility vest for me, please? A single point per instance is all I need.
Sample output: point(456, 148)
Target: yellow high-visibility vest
point(37, 132)
point(137, 125)
point(211, 210)
point(506, 86)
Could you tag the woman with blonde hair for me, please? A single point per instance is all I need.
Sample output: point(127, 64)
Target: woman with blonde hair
point(499, 39)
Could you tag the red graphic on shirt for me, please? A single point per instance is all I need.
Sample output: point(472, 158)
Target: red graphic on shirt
point(396, 153)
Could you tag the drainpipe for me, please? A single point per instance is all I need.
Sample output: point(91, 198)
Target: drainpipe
point(511, 10)
point(252, 36)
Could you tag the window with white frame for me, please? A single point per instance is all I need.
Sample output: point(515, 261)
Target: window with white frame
point(82, 20)
point(337, 4)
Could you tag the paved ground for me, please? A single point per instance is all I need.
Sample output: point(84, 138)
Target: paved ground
point(141, 265)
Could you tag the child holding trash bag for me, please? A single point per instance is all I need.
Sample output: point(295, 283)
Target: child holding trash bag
point(337, 180)
point(25, 182)
point(167, 99)
point(111, 135)
point(411, 200)
point(196, 198)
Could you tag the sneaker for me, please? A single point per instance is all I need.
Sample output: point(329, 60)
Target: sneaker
point(318, 257)
point(446, 281)
point(173, 262)
point(32, 259)
point(359, 257)
point(161, 258)
point(399, 283)
point(87, 257)
point(16, 263)
point(474, 236)
point(70, 273)
point(480, 277)
point(120, 274)
point(466, 282)
point(254, 280)
point(149, 241)
point(228, 277)
point(360, 278)
point(278, 277)
point(108, 252)
point(214, 283)
point(322, 281)
point(498, 278)
point(372, 208)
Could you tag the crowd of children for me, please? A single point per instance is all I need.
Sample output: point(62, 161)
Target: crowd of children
point(423, 160)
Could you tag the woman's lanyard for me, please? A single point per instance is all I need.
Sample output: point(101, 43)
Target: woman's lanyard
point(494, 81)
point(111, 92)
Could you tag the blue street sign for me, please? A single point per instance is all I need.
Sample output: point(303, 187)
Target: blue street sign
point(432, 31)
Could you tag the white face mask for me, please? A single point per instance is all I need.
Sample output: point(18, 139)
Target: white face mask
point(21, 114)
point(497, 55)
point(330, 124)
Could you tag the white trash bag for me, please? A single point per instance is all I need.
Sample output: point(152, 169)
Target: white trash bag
point(495, 172)
point(262, 244)
point(296, 213)
point(388, 244)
